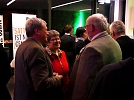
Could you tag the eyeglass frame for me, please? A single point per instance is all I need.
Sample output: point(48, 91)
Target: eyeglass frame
point(87, 26)
point(54, 40)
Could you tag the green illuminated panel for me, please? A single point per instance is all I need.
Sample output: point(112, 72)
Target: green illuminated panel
point(80, 19)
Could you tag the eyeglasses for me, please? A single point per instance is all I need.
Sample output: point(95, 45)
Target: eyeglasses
point(56, 39)
point(87, 26)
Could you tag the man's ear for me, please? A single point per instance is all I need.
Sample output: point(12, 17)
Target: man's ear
point(113, 34)
point(93, 27)
point(36, 31)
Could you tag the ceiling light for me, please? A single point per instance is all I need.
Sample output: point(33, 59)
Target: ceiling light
point(107, 1)
point(66, 4)
point(103, 1)
point(10, 2)
point(85, 9)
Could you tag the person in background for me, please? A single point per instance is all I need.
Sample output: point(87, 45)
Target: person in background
point(86, 41)
point(117, 29)
point(5, 74)
point(58, 60)
point(81, 36)
point(34, 77)
point(102, 50)
point(80, 45)
point(68, 45)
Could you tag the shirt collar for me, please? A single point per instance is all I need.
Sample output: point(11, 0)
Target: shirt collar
point(79, 38)
point(50, 52)
point(97, 35)
point(67, 34)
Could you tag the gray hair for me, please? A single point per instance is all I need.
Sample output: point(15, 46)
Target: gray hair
point(32, 23)
point(98, 20)
point(52, 33)
point(118, 26)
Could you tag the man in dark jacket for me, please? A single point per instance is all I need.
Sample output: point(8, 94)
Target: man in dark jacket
point(5, 74)
point(68, 45)
point(117, 29)
point(34, 77)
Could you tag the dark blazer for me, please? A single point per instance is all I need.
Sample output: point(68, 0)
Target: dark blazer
point(68, 45)
point(34, 78)
point(5, 74)
point(127, 46)
point(114, 82)
point(99, 52)
point(78, 46)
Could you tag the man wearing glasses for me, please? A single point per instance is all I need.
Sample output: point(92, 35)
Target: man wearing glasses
point(102, 50)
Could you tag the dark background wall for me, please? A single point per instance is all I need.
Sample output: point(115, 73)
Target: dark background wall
point(58, 20)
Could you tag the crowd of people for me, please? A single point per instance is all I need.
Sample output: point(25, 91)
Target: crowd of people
point(90, 66)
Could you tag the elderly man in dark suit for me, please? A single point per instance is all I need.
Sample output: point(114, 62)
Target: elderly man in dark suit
point(117, 29)
point(102, 50)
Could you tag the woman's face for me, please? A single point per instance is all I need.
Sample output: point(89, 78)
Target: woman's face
point(54, 43)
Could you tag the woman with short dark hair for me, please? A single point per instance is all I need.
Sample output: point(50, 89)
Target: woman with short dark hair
point(58, 60)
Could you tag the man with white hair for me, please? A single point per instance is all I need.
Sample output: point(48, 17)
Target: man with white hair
point(117, 30)
point(102, 50)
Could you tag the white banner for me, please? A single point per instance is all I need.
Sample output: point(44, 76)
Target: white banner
point(1, 30)
point(18, 29)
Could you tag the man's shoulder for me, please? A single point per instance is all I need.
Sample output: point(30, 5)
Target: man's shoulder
point(125, 39)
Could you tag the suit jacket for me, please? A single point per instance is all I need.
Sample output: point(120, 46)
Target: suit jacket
point(127, 46)
point(5, 74)
point(114, 82)
point(68, 46)
point(78, 46)
point(101, 51)
point(34, 78)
